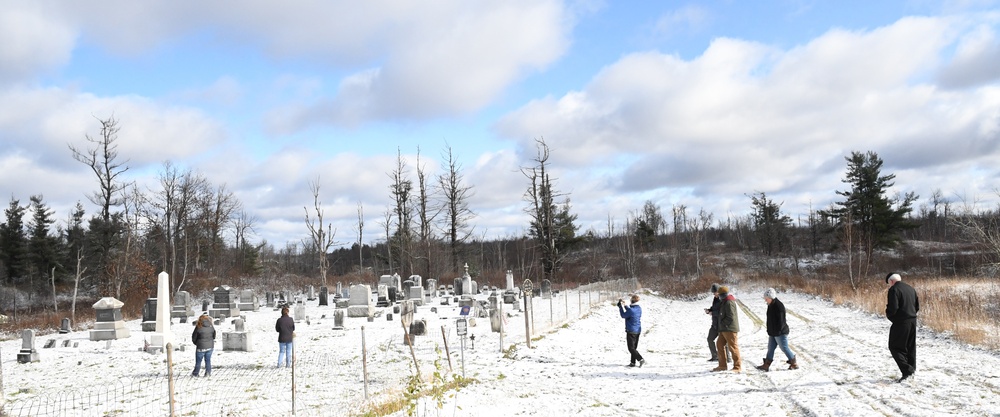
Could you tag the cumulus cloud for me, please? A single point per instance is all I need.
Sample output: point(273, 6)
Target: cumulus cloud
point(35, 39)
point(745, 116)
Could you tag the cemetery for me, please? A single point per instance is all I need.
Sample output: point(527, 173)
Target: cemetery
point(359, 334)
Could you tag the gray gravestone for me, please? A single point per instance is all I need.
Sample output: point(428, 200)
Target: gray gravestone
point(224, 303)
point(338, 319)
point(64, 328)
point(238, 340)
point(248, 301)
point(149, 315)
point(546, 289)
point(182, 306)
point(361, 304)
point(323, 296)
point(28, 353)
point(109, 325)
point(51, 343)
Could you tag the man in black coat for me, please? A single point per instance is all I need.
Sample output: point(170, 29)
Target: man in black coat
point(901, 309)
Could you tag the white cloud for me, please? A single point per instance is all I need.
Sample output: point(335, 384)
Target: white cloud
point(744, 116)
point(33, 39)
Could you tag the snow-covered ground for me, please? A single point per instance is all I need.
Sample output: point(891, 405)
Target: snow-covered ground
point(575, 366)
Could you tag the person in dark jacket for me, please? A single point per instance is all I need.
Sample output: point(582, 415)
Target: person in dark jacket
point(901, 309)
point(285, 327)
point(633, 328)
point(729, 327)
point(203, 338)
point(777, 331)
point(713, 332)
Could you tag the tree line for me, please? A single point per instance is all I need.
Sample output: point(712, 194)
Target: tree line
point(201, 234)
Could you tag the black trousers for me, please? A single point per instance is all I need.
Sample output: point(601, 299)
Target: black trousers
point(633, 346)
point(713, 333)
point(903, 345)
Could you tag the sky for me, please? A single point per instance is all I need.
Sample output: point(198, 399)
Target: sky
point(697, 104)
point(575, 365)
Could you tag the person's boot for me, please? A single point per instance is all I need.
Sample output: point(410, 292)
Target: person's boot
point(766, 366)
point(792, 364)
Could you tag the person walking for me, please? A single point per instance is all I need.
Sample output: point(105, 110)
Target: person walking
point(285, 327)
point(203, 338)
point(713, 331)
point(901, 309)
point(729, 327)
point(777, 331)
point(633, 328)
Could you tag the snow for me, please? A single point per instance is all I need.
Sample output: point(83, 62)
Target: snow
point(575, 366)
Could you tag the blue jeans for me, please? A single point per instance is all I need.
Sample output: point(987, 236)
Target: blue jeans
point(285, 351)
point(778, 341)
point(203, 356)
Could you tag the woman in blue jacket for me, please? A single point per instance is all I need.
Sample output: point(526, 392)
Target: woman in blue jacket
point(633, 328)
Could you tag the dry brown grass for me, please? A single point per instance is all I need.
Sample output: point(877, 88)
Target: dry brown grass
point(965, 308)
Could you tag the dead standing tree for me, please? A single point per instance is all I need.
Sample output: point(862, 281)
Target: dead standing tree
point(322, 239)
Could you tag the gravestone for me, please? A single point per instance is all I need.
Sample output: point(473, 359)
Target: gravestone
point(204, 306)
point(64, 328)
point(149, 315)
point(109, 323)
point(49, 344)
point(430, 288)
point(270, 299)
point(406, 310)
point(163, 336)
point(388, 317)
point(342, 302)
point(182, 306)
point(338, 319)
point(248, 301)
point(28, 353)
point(224, 303)
point(417, 280)
point(416, 295)
point(546, 289)
point(418, 328)
point(300, 312)
point(405, 291)
point(360, 304)
point(311, 293)
point(66, 343)
point(383, 296)
point(238, 340)
point(457, 287)
point(323, 296)
point(510, 281)
point(496, 320)
point(340, 291)
point(467, 287)
point(391, 295)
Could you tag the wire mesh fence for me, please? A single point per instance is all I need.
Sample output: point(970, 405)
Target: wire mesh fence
point(327, 379)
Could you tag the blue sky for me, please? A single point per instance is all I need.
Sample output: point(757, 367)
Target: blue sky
point(681, 103)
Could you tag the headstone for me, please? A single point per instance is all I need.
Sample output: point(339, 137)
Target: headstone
point(467, 282)
point(28, 353)
point(338, 319)
point(391, 295)
point(546, 289)
point(430, 288)
point(64, 328)
point(248, 301)
point(383, 296)
point(204, 305)
point(182, 306)
point(238, 340)
point(510, 280)
point(388, 317)
point(406, 310)
point(66, 343)
point(405, 291)
point(51, 343)
point(457, 287)
point(158, 340)
point(270, 299)
point(224, 303)
point(300, 312)
point(311, 293)
point(340, 291)
point(416, 295)
point(361, 304)
point(323, 296)
point(418, 328)
point(417, 280)
point(109, 324)
point(496, 320)
point(149, 315)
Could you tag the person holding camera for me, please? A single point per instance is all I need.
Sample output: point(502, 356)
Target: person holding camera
point(633, 328)
point(729, 327)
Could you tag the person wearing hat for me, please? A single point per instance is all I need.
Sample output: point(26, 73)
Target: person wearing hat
point(777, 331)
point(901, 309)
point(633, 328)
point(713, 331)
point(729, 327)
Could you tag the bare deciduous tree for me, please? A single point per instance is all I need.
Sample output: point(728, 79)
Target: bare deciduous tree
point(455, 197)
point(322, 239)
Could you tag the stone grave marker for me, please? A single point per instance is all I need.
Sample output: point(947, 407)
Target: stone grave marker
point(204, 306)
point(383, 295)
point(182, 306)
point(66, 343)
point(51, 343)
point(431, 288)
point(270, 299)
point(546, 289)
point(340, 291)
point(324, 296)
point(149, 315)
point(300, 312)
point(338, 319)
point(360, 304)
point(418, 328)
point(64, 328)
point(248, 301)
point(416, 295)
point(510, 280)
point(109, 323)
point(224, 303)
point(238, 340)
point(28, 353)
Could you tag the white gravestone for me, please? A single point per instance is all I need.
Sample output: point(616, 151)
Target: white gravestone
point(360, 304)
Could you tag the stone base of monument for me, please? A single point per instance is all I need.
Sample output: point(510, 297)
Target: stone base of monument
point(155, 343)
point(109, 330)
point(236, 341)
point(247, 306)
point(223, 313)
point(360, 311)
point(27, 356)
point(149, 326)
point(342, 303)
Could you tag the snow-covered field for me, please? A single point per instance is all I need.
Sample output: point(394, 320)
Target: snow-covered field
point(575, 366)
